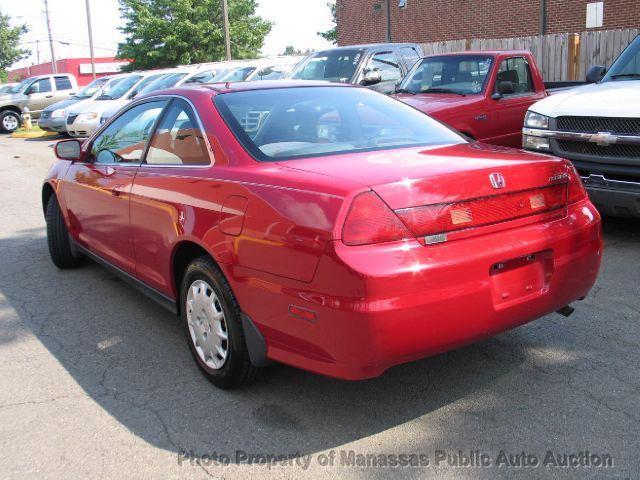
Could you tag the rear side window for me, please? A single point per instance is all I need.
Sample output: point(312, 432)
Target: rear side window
point(516, 70)
point(63, 83)
point(204, 77)
point(387, 64)
point(178, 139)
point(410, 55)
point(124, 140)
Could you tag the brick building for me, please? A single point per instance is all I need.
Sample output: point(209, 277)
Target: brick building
point(364, 21)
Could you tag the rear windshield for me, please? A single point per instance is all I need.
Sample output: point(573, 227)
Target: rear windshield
point(165, 81)
point(235, 75)
point(289, 123)
point(91, 89)
point(462, 74)
point(333, 66)
point(116, 90)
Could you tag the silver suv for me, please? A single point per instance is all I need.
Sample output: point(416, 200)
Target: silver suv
point(35, 93)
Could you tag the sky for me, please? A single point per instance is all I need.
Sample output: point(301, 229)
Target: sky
point(296, 23)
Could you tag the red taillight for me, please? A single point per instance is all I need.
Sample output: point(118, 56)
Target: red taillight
point(370, 220)
point(449, 217)
point(577, 191)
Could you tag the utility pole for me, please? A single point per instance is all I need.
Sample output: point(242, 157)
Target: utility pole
point(38, 51)
point(225, 23)
point(93, 59)
point(54, 64)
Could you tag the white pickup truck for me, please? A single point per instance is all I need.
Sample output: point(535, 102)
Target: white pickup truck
point(597, 127)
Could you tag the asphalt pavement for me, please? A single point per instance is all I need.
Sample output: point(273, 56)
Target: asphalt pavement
point(96, 381)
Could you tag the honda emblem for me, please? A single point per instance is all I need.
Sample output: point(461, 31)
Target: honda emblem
point(497, 180)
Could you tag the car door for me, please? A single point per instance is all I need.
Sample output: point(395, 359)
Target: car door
point(64, 88)
point(40, 94)
point(388, 66)
point(171, 190)
point(97, 190)
point(511, 108)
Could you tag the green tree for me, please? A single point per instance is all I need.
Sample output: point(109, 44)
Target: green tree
point(166, 33)
point(332, 34)
point(10, 51)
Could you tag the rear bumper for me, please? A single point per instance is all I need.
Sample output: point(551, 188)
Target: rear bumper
point(615, 198)
point(381, 305)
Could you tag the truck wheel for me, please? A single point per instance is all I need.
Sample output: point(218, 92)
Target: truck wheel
point(62, 251)
point(213, 326)
point(9, 121)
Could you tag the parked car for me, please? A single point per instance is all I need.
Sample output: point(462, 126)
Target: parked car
point(180, 76)
point(85, 119)
point(378, 66)
point(263, 69)
point(344, 232)
point(597, 127)
point(54, 117)
point(7, 88)
point(35, 93)
point(483, 94)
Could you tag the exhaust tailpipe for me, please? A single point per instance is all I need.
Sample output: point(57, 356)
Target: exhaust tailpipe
point(566, 311)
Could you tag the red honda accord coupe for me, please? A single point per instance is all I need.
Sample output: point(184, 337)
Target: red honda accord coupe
point(324, 226)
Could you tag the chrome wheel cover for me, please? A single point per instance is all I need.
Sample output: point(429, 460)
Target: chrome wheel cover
point(10, 122)
point(207, 325)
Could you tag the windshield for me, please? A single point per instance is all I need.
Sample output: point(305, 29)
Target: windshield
point(333, 65)
point(627, 66)
point(22, 86)
point(165, 81)
point(91, 89)
point(459, 74)
point(239, 74)
point(288, 123)
point(117, 90)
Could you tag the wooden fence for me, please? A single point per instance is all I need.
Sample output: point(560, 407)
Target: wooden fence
point(561, 57)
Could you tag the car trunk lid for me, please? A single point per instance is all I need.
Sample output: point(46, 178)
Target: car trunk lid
point(443, 189)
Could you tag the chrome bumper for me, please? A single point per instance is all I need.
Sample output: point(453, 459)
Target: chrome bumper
point(601, 138)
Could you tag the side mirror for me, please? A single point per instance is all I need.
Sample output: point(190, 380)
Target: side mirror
point(68, 149)
point(371, 77)
point(30, 91)
point(132, 95)
point(596, 73)
point(505, 87)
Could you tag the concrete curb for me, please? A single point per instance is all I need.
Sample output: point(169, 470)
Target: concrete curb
point(33, 134)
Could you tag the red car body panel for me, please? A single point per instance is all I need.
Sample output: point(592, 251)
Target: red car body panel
point(495, 121)
point(275, 231)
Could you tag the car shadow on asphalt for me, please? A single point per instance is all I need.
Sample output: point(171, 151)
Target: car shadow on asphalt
point(130, 356)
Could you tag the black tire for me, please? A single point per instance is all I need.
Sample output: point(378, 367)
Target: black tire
point(61, 249)
point(9, 113)
point(237, 369)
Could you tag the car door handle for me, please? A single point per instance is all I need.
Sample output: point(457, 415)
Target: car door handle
point(48, 96)
point(117, 190)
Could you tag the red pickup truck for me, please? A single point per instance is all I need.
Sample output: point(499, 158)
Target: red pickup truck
point(484, 94)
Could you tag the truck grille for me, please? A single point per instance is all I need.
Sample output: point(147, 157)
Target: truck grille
point(568, 148)
point(621, 126)
point(71, 119)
